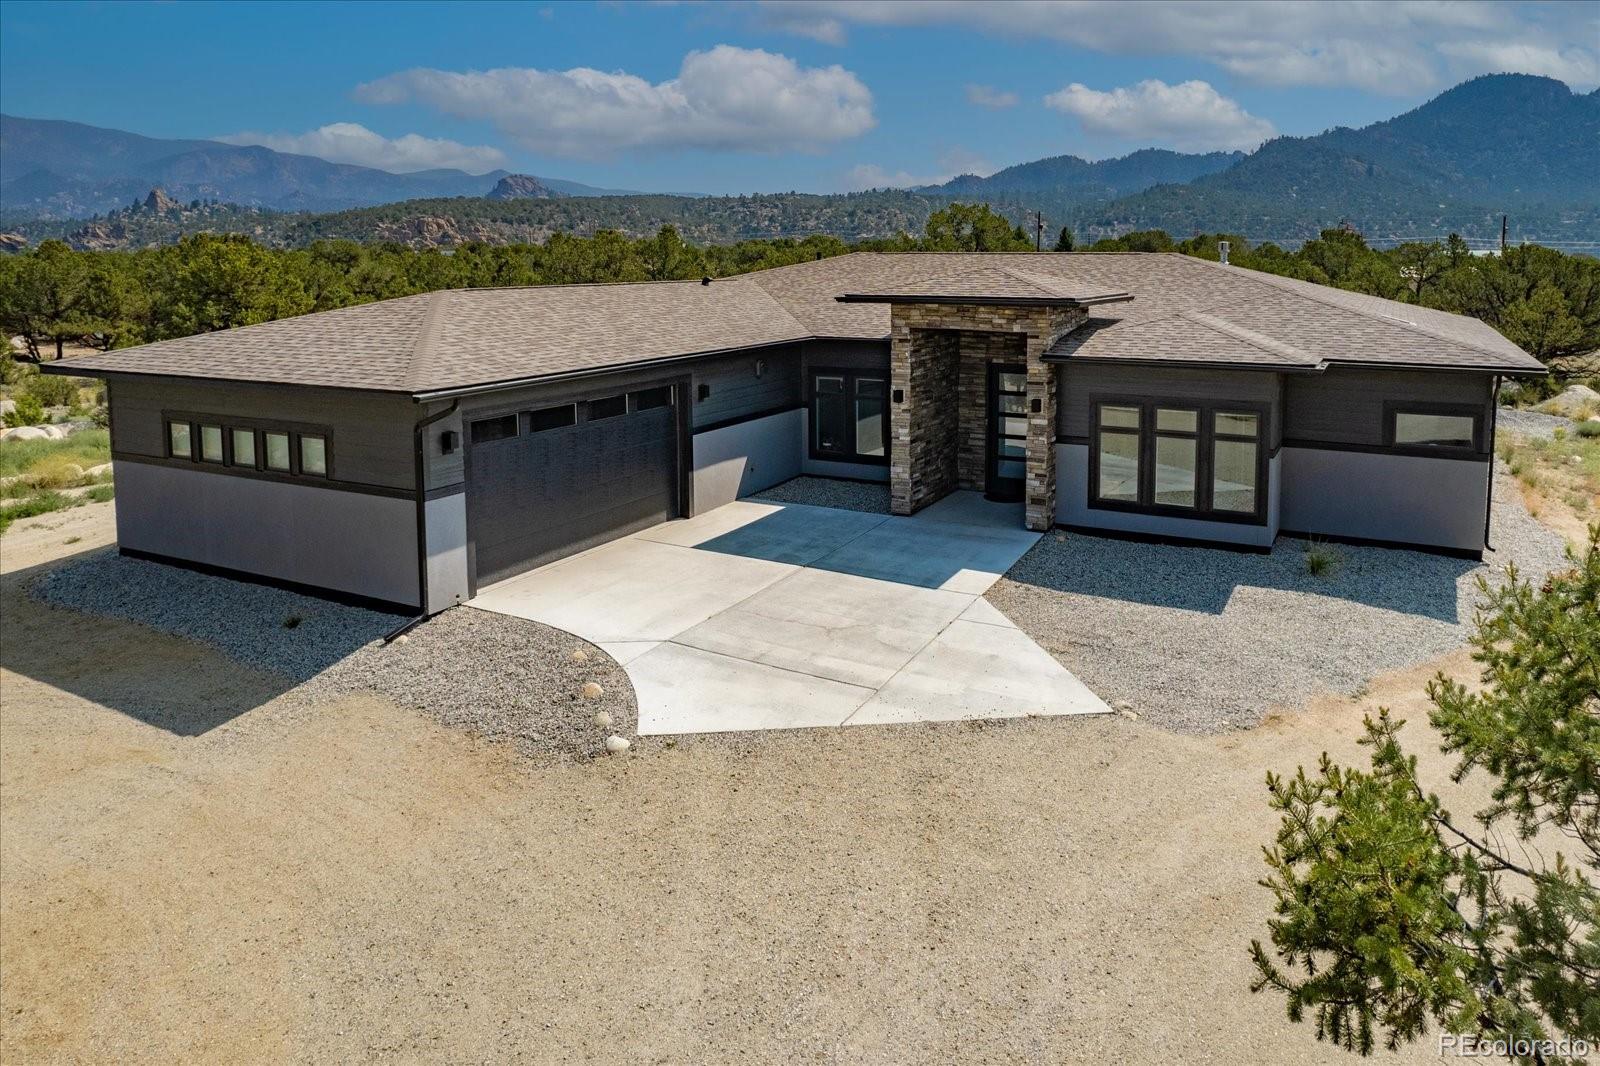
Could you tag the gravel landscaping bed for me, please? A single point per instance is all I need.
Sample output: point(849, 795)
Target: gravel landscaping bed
point(1204, 639)
point(829, 492)
point(1533, 423)
point(501, 678)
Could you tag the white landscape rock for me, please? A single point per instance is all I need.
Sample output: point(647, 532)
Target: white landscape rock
point(603, 720)
point(98, 470)
point(617, 745)
point(27, 433)
point(592, 691)
point(8, 407)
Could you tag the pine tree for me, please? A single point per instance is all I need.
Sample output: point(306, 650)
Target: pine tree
point(1391, 915)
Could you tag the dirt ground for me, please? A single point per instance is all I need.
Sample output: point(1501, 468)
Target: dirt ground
point(353, 882)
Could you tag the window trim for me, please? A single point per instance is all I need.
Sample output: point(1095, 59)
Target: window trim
point(850, 376)
point(260, 427)
point(1394, 408)
point(1205, 438)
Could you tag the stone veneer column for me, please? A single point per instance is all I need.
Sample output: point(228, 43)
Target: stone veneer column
point(926, 460)
point(1048, 326)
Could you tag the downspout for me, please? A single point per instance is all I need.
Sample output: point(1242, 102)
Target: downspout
point(1494, 424)
point(419, 449)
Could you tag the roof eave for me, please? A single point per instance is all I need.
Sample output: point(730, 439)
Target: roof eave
point(1203, 364)
point(982, 301)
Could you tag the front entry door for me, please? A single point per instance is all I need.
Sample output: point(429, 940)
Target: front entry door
point(1008, 432)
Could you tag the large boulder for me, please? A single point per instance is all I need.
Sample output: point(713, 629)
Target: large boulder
point(26, 433)
point(1575, 401)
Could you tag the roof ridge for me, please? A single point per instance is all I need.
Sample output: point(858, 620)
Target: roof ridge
point(427, 335)
point(1274, 281)
point(1253, 338)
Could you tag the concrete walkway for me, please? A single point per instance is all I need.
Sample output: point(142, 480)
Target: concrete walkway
point(783, 616)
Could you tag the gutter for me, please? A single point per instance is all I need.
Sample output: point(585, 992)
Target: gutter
point(1494, 425)
point(418, 438)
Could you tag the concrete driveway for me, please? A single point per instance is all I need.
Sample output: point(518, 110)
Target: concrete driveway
point(781, 616)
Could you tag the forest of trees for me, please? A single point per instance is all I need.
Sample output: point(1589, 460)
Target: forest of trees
point(1545, 301)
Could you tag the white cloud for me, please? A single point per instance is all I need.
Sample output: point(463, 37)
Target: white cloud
point(727, 98)
point(954, 162)
point(990, 97)
point(1191, 116)
point(349, 142)
point(1571, 65)
point(1399, 47)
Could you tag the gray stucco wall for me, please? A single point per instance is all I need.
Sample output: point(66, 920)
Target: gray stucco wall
point(446, 532)
point(740, 459)
point(1402, 498)
point(352, 542)
point(1072, 508)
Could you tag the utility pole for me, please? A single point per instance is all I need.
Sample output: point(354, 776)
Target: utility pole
point(1503, 235)
point(1038, 231)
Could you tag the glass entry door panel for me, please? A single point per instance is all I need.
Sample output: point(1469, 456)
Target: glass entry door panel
point(1008, 432)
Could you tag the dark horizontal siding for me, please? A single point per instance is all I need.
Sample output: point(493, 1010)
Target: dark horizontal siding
point(1082, 384)
point(735, 389)
point(1345, 405)
point(371, 433)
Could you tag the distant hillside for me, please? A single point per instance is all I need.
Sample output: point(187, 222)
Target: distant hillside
point(1103, 180)
point(52, 169)
point(1516, 144)
point(1501, 143)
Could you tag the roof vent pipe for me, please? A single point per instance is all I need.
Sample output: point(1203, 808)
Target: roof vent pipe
point(1222, 252)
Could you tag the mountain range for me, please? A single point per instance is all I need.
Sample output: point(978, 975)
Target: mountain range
point(55, 169)
point(1509, 143)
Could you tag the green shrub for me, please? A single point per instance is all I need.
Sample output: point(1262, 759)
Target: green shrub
point(1559, 433)
point(52, 390)
point(25, 457)
point(42, 503)
point(101, 493)
point(1320, 560)
point(29, 412)
point(1589, 429)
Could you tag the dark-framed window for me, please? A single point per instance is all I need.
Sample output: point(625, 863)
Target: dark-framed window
point(485, 430)
point(211, 446)
point(313, 454)
point(850, 415)
point(180, 440)
point(546, 418)
point(1179, 458)
point(275, 453)
point(242, 451)
point(1433, 428)
point(250, 446)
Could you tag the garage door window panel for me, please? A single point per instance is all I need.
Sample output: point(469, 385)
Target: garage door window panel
point(609, 407)
point(488, 430)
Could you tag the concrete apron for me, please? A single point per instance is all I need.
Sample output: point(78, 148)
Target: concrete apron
point(782, 616)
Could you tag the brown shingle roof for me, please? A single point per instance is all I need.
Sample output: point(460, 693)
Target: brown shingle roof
point(1182, 309)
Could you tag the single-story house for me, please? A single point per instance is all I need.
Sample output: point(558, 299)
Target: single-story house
point(413, 450)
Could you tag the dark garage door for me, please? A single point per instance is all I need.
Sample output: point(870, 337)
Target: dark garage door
point(546, 483)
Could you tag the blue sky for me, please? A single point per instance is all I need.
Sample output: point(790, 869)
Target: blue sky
point(740, 97)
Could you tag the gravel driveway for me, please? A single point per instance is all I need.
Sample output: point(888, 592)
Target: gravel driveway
point(492, 676)
point(1204, 639)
